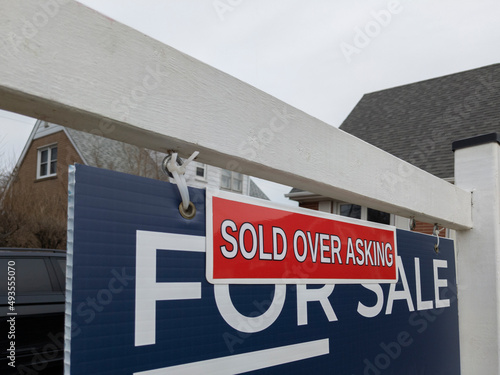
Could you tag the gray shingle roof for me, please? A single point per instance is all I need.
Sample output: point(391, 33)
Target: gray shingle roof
point(255, 191)
point(418, 122)
point(110, 154)
point(106, 153)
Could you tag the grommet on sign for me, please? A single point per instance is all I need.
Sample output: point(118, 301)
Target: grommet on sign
point(174, 167)
point(189, 213)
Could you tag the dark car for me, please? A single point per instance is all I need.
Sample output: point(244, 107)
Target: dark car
point(32, 294)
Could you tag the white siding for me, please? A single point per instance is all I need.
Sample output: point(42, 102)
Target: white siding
point(213, 177)
point(46, 128)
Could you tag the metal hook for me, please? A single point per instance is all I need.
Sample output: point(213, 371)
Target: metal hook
point(173, 166)
point(436, 231)
point(166, 161)
point(412, 223)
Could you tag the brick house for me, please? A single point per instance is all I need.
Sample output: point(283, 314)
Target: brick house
point(418, 123)
point(40, 179)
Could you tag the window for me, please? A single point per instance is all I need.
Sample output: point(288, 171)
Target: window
point(47, 161)
point(379, 216)
point(32, 276)
point(231, 180)
point(350, 210)
point(62, 264)
point(201, 171)
point(364, 213)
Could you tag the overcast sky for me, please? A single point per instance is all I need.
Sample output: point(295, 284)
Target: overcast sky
point(320, 56)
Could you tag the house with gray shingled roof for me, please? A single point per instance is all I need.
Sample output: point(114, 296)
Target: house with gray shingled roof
point(97, 151)
point(41, 173)
point(418, 123)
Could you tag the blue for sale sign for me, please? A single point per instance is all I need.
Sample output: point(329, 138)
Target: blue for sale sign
point(139, 301)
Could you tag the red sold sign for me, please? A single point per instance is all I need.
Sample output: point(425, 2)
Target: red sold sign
point(250, 241)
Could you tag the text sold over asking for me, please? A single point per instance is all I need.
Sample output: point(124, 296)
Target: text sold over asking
point(252, 242)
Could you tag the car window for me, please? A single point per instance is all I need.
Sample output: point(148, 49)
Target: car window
point(61, 262)
point(31, 275)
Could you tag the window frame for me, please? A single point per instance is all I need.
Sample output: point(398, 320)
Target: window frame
point(39, 163)
point(232, 177)
point(364, 213)
point(361, 214)
point(46, 269)
point(202, 166)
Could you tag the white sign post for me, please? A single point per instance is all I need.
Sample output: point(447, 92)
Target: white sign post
point(477, 164)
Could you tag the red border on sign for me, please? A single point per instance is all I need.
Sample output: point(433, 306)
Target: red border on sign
point(251, 241)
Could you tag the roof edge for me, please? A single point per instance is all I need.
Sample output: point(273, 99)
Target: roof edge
point(20, 160)
point(476, 141)
point(27, 145)
point(432, 78)
point(73, 143)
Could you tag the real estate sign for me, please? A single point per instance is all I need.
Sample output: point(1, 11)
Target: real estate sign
point(251, 241)
point(139, 301)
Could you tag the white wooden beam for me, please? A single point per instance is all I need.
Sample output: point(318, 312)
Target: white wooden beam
point(67, 64)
